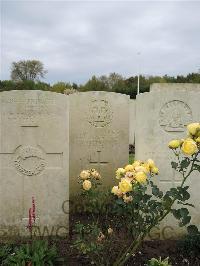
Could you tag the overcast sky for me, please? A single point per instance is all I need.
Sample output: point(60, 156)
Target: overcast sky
point(78, 39)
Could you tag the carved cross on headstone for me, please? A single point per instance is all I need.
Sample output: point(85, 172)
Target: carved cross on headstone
point(98, 162)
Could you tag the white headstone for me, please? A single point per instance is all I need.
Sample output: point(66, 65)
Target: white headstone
point(162, 115)
point(132, 121)
point(99, 134)
point(34, 159)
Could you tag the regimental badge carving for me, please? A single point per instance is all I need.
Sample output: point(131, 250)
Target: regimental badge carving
point(174, 116)
point(29, 160)
point(100, 114)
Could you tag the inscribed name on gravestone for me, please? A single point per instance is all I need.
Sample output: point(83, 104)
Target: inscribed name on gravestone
point(99, 134)
point(162, 115)
point(33, 161)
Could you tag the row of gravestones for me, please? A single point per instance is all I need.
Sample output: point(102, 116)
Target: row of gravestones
point(48, 138)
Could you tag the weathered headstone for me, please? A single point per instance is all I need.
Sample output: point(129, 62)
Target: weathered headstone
point(34, 159)
point(99, 134)
point(132, 121)
point(162, 115)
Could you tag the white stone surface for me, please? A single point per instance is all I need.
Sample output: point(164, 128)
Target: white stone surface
point(162, 116)
point(99, 134)
point(156, 87)
point(132, 121)
point(34, 159)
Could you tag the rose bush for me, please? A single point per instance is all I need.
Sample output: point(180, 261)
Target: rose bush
point(137, 204)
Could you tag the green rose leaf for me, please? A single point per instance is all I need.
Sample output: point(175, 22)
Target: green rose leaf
point(185, 163)
point(174, 165)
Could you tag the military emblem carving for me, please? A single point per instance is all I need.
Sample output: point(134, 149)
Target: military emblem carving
point(174, 116)
point(29, 160)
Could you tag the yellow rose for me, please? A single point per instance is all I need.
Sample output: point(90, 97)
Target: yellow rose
point(151, 163)
point(155, 170)
point(127, 199)
point(120, 172)
point(193, 128)
point(141, 169)
point(129, 168)
point(174, 144)
point(147, 167)
point(197, 140)
point(95, 174)
point(136, 163)
point(141, 177)
point(130, 175)
point(116, 191)
point(85, 174)
point(87, 185)
point(189, 147)
point(125, 185)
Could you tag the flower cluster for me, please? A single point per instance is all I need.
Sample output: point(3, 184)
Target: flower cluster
point(132, 174)
point(88, 177)
point(191, 144)
point(32, 215)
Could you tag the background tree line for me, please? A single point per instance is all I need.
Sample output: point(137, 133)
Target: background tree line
point(25, 75)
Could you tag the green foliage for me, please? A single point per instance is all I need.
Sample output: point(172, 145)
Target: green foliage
point(38, 253)
point(27, 70)
point(87, 238)
point(190, 244)
point(61, 87)
point(5, 251)
point(159, 262)
point(112, 82)
point(23, 85)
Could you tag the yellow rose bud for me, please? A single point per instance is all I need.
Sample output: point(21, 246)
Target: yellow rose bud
point(87, 185)
point(189, 147)
point(193, 128)
point(141, 177)
point(129, 168)
point(125, 185)
point(85, 174)
point(110, 230)
point(151, 163)
point(120, 173)
point(174, 144)
point(155, 170)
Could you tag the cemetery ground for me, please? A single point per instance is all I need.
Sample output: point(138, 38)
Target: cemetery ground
point(181, 253)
